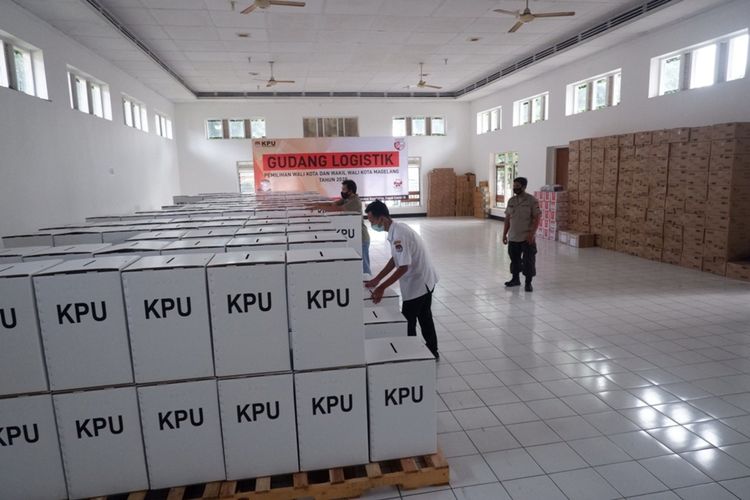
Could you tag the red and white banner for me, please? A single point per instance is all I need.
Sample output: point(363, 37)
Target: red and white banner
point(377, 164)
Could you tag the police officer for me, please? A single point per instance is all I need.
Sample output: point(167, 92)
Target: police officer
point(522, 217)
point(414, 272)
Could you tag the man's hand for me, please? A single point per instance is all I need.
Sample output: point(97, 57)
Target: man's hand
point(377, 295)
point(372, 283)
point(531, 238)
point(505, 239)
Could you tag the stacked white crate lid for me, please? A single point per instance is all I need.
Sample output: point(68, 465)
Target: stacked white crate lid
point(182, 362)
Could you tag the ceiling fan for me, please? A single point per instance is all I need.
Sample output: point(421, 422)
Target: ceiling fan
point(264, 4)
point(526, 16)
point(423, 84)
point(273, 81)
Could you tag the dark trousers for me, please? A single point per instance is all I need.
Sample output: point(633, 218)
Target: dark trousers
point(420, 309)
point(522, 259)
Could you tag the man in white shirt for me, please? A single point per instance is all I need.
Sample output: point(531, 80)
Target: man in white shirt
point(414, 272)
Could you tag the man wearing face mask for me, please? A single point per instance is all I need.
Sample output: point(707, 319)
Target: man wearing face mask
point(414, 272)
point(350, 202)
point(522, 217)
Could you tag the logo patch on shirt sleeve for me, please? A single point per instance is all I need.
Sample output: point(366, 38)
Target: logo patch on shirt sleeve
point(397, 245)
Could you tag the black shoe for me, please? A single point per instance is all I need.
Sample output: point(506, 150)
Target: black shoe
point(528, 287)
point(513, 282)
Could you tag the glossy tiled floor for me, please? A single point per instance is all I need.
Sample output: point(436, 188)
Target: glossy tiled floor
point(617, 378)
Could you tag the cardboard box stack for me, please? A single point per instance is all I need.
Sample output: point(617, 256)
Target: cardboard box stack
point(441, 184)
point(555, 208)
point(680, 195)
point(465, 185)
point(129, 372)
point(482, 200)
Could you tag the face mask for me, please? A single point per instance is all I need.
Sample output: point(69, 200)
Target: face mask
point(344, 195)
point(518, 190)
point(378, 227)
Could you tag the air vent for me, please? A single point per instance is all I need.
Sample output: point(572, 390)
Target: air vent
point(594, 31)
point(426, 94)
point(655, 4)
point(317, 94)
point(626, 16)
point(524, 62)
point(508, 70)
point(567, 43)
point(398, 94)
point(372, 94)
point(494, 76)
point(346, 94)
point(544, 53)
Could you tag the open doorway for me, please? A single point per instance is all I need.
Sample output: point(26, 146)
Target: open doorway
point(506, 169)
point(561, 167)
point(245, 177)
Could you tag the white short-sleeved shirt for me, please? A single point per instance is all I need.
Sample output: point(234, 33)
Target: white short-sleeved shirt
point(407, 249)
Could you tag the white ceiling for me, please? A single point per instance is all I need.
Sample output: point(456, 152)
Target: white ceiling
point(329, 45)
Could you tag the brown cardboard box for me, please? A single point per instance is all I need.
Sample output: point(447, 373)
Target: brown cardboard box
point(701, 134)
point(679, 135)
point(730, 131)
point(643, 138)
point(738, 270)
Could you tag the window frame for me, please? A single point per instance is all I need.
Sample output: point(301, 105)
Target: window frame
point(428, 128)
point(135, 113)
point(90, 86)
point(611, 98)
point(225, 128)
point(523, 110)
point(33, 62)
point(686, 55)
point(485, 120)
point(163, 125)
point(330, 126)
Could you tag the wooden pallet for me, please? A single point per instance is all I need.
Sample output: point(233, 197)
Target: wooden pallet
point(339, 483)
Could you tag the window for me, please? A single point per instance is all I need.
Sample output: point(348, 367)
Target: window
point(89, 95)
point(163, 126)
point(489, 120)
point(135, 113)
point(399, 127)
point(720, 60)
point(531, 110)
point(330, 127)
point(506, 166)
point(234, 128)
point(22, 67)
point(601, 91)
point(413, 183)
point(403, 126)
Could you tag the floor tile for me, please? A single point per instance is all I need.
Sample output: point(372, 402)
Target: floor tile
point(678, 439)
point(461, 400)
point(490, 439)
point(586, 403)
point(717, 433)
point(640, 444)
point(647, 418)
point(470, 470)
point(513, 413)
point(717, 464)
point(550, 408)
point(584, 484)
point(674, 471)
point(446, 422)
point(599, 451)
point(482, 381)
point(711, 491)
point(717, 407)
point(497, 396)
point(533, 433)
point(476, 418)
point(740, 452)
point(570, 428)
point(610, 422)
point(630, 479)
point(620, 399)
point(533, 488)
point(740, 487)
point(456, 444)
point(556, 457)
point(491, 491)
point(682, 413)
point(512, 464)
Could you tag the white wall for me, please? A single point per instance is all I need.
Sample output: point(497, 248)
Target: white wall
point(211, 165)
point(720, 103)
point(58, 165)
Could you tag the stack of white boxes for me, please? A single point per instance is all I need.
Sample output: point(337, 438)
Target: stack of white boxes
point(555, 208)
point(135, 370)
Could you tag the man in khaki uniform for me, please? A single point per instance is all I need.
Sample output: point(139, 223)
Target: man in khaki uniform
point(350, 202)
point(522, 217)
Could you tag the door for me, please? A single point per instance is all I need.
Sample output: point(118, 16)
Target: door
point(561, 167)
point(246, 177)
